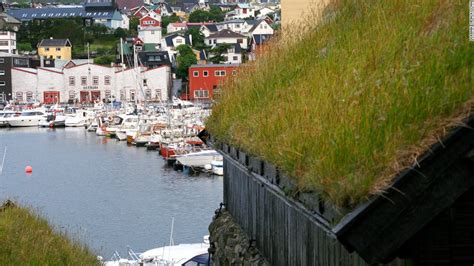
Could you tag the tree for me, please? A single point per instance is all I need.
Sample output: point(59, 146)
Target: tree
point(25, 47)
point(217, 14)
point(120, 33)
point(104, 60)
point(133, 25)
point(185, 59)
point(217, 53)
point(197, 37)
point(199, 16)
point(166, 20)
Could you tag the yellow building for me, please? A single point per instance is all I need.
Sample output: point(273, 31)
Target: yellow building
point(55, 48)
point(293, 11)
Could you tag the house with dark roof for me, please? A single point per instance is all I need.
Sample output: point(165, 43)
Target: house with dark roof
point(154, 59)
point(227, 36)
point(208, 29)
point(9, 26)
point(55, 48)
point(261, 27)
point(170, 42)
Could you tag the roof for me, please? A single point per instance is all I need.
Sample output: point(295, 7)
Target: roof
point(214, 65)
point(26, 14)
point(257, 23)
point(169, 39)
point(9, 19)
point(225, 33)
point(178, 24)
point(54, 42)
point(150, 47)
point(128, 4)
point(211, 28)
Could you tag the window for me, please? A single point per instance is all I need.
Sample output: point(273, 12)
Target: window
point(152, 32)
point(158, 94)
point(3, 43)
point(145, 82)
point(2, 83)
point(20, 62)
point(58, 49)
point(216, 91)
point(29, 96)
point(179, 41)
point(2, 72)
point(234, 72)
point(72, 81)
point(201, 94)
point(72, 95)
point(219, 73)
point(205, 73)
point(132, 95)
point(108, 94)
point(46, 49)
point(240, 41)
point(195, 73)
point(107, 80)
point(123, 96)
point(3, 32)
point(95, 80)
point(19, 96)
point(2, 60)
point(83, 81)
point(148, 94)
point(235, 58)
point(58, 57)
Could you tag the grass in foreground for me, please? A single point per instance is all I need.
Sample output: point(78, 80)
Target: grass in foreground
point(26, 239)
point(345, 106)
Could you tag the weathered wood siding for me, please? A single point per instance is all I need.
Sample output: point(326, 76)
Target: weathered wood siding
point(284, 231)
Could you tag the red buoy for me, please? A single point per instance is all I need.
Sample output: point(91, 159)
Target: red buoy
point(28, 169)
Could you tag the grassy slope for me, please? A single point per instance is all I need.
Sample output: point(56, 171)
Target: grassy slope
point(350, 103)
point(26, 239)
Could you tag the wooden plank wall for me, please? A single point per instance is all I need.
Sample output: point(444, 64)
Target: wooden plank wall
point(283, 231)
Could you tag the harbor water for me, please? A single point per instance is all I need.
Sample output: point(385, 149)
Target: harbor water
point(104, 193)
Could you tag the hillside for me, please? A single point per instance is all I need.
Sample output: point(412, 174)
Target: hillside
point(346, 105)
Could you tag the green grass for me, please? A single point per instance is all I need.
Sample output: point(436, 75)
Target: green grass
point(346, 105)
point(27, 239)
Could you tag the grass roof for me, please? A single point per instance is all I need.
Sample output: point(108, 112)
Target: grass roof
point(26, 239)
point(347, 104)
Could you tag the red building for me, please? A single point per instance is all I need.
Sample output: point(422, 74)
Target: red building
point(205, 80)
point(148, 21)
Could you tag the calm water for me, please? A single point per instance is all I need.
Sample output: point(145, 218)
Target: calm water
point(104, 193)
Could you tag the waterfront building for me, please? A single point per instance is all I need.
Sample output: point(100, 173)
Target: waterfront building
point(205, 80)
point(7, 62)
point(55, 48)
point(87, 83)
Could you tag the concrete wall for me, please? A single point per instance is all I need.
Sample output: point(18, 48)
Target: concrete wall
point(293, 11)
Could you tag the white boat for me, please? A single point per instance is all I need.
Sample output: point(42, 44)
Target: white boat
point(4, 115)
point(129, 122)
point(173, 255)
point(199, 159)
point(217, 167)
point(30, 118)
point(79, 119)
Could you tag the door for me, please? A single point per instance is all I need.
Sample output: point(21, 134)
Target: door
point(95, 96)
point(85, 97)
point(51, 97)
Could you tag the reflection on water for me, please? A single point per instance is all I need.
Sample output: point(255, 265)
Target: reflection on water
point(103, 192)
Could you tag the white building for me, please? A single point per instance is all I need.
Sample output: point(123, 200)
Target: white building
point(90, 82)
point(8, 42)
point(261, 27)
point(227, 36)
point(176, 26)
point(150, 34)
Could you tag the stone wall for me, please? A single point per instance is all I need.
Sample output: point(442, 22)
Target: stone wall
point(230, 245)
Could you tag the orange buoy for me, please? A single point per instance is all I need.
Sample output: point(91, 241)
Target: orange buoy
point(28, 169)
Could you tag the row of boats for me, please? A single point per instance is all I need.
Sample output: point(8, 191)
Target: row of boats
point(170, 129)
